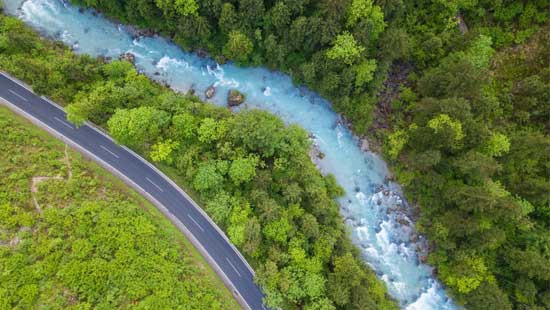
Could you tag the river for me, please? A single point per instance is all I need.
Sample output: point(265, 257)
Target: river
point(383, 235)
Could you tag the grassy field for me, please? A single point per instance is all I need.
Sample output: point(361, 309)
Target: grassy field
point(72, 236)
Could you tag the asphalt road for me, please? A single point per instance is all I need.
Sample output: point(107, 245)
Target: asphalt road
point(223, 257)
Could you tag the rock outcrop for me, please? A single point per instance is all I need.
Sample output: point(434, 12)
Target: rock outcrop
point(234, 98)
point(210, 92)
point(129, 57)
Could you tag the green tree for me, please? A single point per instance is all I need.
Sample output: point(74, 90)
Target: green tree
point(243, 170)
point(208, 178)
point(497, 145)
point(280, 16)
point(365, 72)
point(238, 47)
point(162, 151)
point(182, 7)
point(237, 224)
point(229, 19)
point(345, 48)
point(137, 127)
point(367, 15)
point(211, 130)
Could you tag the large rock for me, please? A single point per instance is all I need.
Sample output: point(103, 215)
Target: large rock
point(234, 98)
point(129, 57)
point(210, 92)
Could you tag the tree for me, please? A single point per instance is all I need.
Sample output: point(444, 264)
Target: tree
point(345, 48)
point(397, 140)
point(252, 12)
point(137, 127)
point(219, 208)
point(229, 19)
point(368, 16)
point(253, 237)
point(310, 226)
point(184, 126)
point(345, 276)
point(466, 273)
point(278, 230)
point(243, 170)
point(257, 131)
point(280, 16)
point(497, 145)
point(237, 224)
point(395, 43)
point(238, 47)
point(182, 7)
point(162, 151)
point(444, 124)
point(211, 130)
point(480, 52)
point(208, 178)
point(365, 72)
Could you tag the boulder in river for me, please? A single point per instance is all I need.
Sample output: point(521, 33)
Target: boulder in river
point(202, 53)
point(129, 57)
point(210, 92)
point(234, 98)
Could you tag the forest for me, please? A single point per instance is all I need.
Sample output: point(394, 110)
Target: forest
point(455, 93)
point(74, 237)
point(250, 172)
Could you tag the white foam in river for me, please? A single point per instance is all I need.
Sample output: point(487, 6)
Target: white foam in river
point(384, 243)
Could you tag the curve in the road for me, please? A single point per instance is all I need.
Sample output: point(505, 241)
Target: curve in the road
point(207, 237)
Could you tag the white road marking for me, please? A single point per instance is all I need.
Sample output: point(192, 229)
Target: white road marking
point(109, 151)
point(158, 187)
point(18, 95)
point(196, 223)
point(238, 273)
point(63, 122)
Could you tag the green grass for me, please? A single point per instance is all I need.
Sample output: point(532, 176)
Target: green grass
point(92, 242)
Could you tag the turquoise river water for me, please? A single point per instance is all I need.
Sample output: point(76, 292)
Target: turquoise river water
point(369, 205)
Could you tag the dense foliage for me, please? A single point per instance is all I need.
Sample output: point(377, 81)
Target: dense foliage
point(250, 171)
point(471, 144)
point(469, 138)
point(72, 237)
point(463, 112)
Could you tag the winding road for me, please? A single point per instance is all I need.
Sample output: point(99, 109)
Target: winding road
point(216, 248)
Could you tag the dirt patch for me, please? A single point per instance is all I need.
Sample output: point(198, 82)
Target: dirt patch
point(38, 180)
point(68, 162)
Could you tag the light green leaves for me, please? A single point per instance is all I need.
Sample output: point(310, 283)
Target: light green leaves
point(397, 141)
point(444, 121)
point(162, 151)
point(370, 14)
point(243, 169)
point(345, 48)
point(365, 72)
point(497, 145)
point(137, 127)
